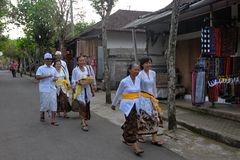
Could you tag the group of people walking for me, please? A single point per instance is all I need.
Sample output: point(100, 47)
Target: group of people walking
point(139, 105)
point(58, 94)
point(137, 91)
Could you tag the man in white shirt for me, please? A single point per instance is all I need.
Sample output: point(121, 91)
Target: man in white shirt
point(47, 75)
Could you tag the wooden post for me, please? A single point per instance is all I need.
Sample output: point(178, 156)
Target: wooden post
point(134, 44)
point(171, 63)
point(211, 15)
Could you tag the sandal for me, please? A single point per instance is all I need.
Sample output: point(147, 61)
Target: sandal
point(157, 143)
point(66, 116)
point(42, 119)
point(138, 152)
point(141, 139)
point(54, 124)
point(84, 128)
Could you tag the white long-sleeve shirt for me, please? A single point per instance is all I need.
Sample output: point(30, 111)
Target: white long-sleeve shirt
point(65, 68)
point(62, 76)
point(127, 86)
point(148, 84)
point(77, 74)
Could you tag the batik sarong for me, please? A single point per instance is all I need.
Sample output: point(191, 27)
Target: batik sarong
point(62, 103)
point(130, 127)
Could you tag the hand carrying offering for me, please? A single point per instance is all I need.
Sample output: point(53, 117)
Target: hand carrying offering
point(55, 78)
point(86, 81)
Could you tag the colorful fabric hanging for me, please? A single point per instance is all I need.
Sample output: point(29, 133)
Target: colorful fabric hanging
point(221, 67)
point(213, 93)
point(227, 66)
point(236, 66)
point(208, 40)
point(212, 69)
point(218, 41)
point(216, 67)
point(228, 41)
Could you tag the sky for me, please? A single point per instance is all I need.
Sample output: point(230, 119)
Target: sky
point(90, 15)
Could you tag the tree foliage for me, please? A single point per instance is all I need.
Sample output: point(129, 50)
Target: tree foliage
point(3, 13)
point(81, 26)
point(103, 7)
point(37, 18)
point(62, 20)
point(9, 48)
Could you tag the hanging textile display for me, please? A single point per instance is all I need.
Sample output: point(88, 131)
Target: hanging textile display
point(213, 93)
point(218, 41)
point(198, 83)
point(208, 41)
point(229, 37)
point(222, 69)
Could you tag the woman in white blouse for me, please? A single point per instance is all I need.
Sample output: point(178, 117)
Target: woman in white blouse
point(85, 92)
point(129, 90)
point(148, 115)
point(63, 90)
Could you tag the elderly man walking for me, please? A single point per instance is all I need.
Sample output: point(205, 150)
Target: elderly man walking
point(47, 75)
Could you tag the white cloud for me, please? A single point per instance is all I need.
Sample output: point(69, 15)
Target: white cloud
point(138, 5)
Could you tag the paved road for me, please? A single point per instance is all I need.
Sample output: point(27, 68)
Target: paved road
point(23, 137)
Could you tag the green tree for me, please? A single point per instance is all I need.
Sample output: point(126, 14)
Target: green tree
point(62, 20)
point(37, 18)
point(4, 11)
point(104, 8)
point(81, 26)
point(3, 14)
point(9, 49)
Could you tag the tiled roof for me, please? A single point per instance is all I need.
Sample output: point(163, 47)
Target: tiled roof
point(117, 20)
point(120, 18)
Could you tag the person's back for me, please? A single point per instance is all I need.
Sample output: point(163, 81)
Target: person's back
point(13, 68)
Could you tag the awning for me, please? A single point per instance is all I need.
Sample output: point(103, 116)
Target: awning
point(156, 16)
point(139, 23)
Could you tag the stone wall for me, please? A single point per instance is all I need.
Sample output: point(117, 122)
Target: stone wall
point(119, 59)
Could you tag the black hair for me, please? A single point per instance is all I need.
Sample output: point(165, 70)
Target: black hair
point(144, 60)
point(80, 57)
point(58, 60)
point(130, 67)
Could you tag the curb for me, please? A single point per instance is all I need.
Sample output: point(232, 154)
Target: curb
point(209, 133)
point(216, 113)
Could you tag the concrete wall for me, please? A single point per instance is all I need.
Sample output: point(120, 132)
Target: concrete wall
point(124, 40)
point(119, 59)
point(159, 47)
point(188, 51)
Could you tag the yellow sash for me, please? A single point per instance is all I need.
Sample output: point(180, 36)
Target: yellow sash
point(154, 100)
point(77, 92)
point(64, 82)
point(132, 95)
